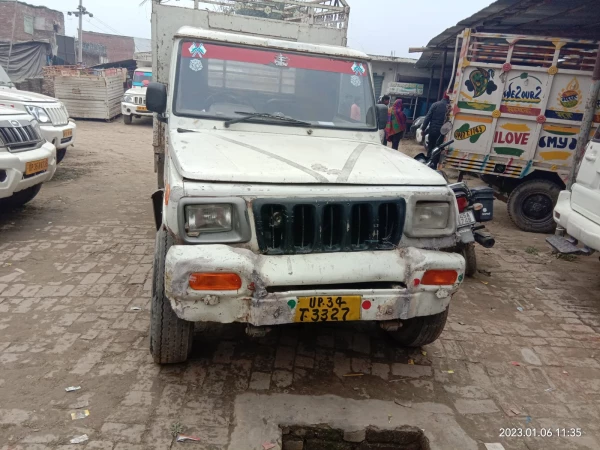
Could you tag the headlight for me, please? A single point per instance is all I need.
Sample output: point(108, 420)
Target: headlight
point(207, 219)
point(128, 98)
point(36, 126)
point(38, 113)
point(431, 215)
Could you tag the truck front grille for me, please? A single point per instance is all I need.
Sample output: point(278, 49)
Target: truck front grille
point(139, 100)
point(319, 226)
point(19, 138)
point(58, 115)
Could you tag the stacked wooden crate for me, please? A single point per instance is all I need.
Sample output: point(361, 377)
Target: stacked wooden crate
point(89, 93)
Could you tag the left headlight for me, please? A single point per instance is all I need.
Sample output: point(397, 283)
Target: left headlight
point(39, 113)
point(431, 216)
point(128, 98)
point(208, 219)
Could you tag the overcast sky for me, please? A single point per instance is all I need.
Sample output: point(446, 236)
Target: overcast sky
point(376, 26)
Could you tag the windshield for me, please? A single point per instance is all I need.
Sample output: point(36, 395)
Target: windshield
point(4, 80)
point(223, 82)
point(141, 78)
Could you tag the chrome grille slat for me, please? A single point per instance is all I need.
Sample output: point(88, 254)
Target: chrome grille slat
point(19, 138)
point(303, 226)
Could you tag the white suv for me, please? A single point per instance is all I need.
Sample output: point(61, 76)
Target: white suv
point(56, 127)
point(26, 159)
point(577, 212)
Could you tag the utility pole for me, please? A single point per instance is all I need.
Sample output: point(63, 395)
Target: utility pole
point(81, 11)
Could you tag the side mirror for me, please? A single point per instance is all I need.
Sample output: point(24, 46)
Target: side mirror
point(446, 128)
point(382, 116)
point(156, 97)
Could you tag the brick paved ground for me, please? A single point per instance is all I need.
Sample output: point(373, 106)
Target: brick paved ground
point(76, 261)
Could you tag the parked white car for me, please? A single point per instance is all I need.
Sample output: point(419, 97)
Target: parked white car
point(577, 211)
point(26, 159)
point(134, 100)
point(52, 115)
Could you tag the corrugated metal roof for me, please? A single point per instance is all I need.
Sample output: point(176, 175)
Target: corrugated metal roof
point(579, 19)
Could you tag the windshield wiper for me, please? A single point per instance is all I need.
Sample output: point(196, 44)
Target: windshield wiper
point(247, 116)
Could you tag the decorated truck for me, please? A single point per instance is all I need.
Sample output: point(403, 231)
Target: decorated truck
point(517, 106)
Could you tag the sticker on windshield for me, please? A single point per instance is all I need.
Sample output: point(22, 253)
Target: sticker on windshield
point(197, 50)
point(281, 61)
point(196, 65)
point(359, 70)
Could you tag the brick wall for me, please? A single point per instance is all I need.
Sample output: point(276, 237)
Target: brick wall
point(118, 48)
point(42, 19)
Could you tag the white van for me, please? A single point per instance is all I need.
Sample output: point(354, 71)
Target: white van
point(578, 210)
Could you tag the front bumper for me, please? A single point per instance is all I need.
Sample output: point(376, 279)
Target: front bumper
point(56, 134)
point(576, 225)
point(270, 282)
point(128, 109)
point(12, 169)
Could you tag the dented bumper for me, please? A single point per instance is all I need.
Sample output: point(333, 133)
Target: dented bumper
point(269, 283)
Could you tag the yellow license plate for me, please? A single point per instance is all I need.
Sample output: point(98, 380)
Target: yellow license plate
point(36, 166)
point(142, 108)
point(328, 309)
point(67, 133)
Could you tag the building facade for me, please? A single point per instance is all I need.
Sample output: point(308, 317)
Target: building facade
point(30, 22)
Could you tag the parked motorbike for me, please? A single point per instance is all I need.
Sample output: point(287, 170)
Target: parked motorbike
point(475, 205)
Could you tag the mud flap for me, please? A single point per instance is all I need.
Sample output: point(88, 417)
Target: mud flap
point(157, 203)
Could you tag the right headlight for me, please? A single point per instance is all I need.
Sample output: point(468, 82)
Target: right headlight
point(208, 219)
point(128, 98)
point(39, 113)
point(431, 216)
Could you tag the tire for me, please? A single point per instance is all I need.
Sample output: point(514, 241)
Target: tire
point(420, 331)
point(468, 252)
point(531, 204)
point(20, 198)
point(60, 155)
point(127, 119)
point(170, 336)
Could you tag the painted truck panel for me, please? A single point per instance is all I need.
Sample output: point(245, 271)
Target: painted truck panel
point(518, 102)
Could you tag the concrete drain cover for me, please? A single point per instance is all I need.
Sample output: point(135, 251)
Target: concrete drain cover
point(323, 437)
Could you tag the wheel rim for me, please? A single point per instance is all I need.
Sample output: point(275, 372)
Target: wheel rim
point(538, 207)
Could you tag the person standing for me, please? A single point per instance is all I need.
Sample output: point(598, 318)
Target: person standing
point(435, 118)
point(385, 100)
point(396, 126)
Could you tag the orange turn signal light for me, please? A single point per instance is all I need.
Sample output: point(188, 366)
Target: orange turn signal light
point(215, 281)
point(439, 277)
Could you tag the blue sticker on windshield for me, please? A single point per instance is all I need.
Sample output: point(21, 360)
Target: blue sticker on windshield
point(359, 70)
point(197, 50)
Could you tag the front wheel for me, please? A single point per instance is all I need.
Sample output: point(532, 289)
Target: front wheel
point(170, 336)
point(127, 119)
point(531, 205)
point(420, 331)
point(60, 154)
point(20, 198)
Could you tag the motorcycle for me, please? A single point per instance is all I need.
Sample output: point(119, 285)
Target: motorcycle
point(471, 212)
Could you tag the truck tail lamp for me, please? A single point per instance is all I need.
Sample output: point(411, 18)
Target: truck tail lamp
point(439, 277)
point(215, 281)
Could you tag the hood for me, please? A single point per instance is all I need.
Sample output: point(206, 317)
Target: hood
point(228, 156)
point(24, 96)
point(136, 90)
point(10, 112)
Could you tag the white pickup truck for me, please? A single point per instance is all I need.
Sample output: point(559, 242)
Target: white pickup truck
point(26, 159)
point(52, 115)
point(280, 203)
point(134, 100)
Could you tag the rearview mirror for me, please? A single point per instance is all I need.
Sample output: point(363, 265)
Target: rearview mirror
point(446, 128)
point(156, 97)
point(382, 116)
